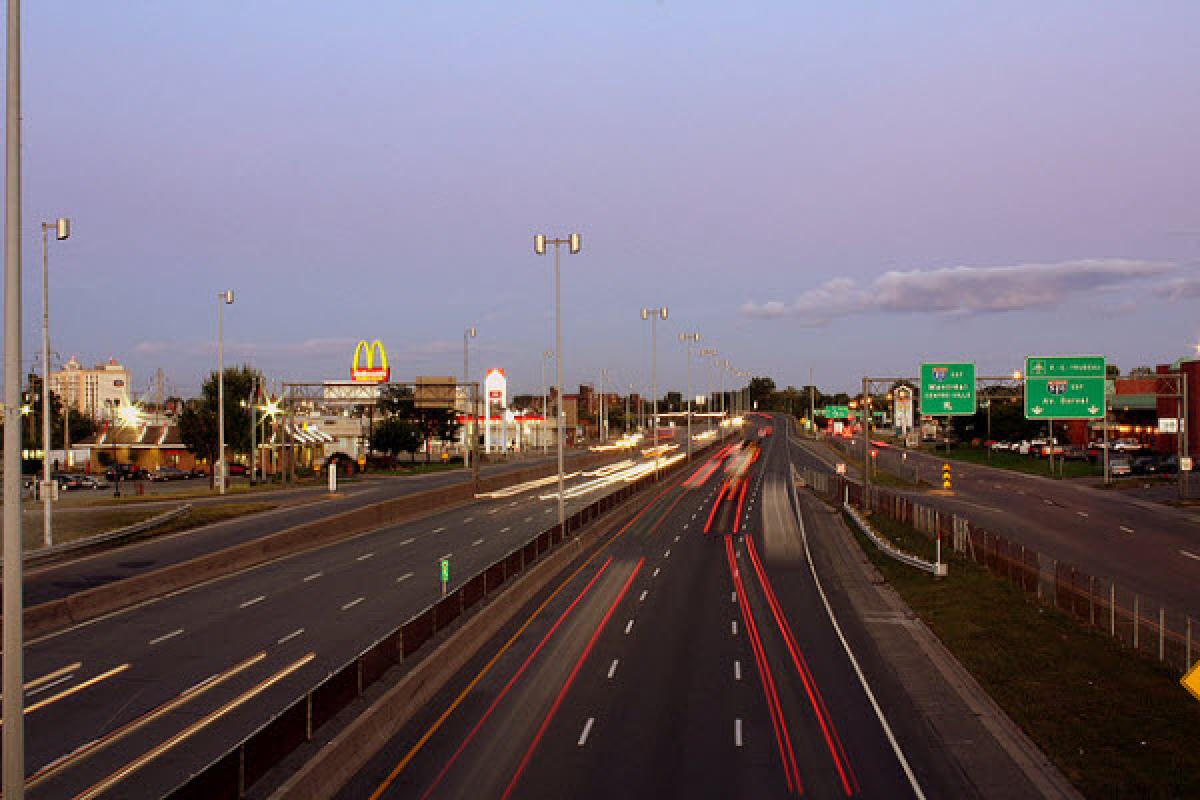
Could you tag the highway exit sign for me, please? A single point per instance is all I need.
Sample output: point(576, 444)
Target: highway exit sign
point(837, 412)
point(1064, 387)
point(947, 389)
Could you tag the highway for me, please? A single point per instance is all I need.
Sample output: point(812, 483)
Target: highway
point(692, 655)
point(1146, 547)
point(130, 704)
point(297, 506)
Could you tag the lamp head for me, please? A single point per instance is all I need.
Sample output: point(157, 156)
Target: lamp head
point(226, 297)
point(62, 229)
point(539, 244)
point(575, 241)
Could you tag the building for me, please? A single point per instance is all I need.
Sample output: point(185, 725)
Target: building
point(95, 391)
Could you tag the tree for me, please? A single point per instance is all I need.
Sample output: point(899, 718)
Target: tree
point(198, 429)
point(198, 419)
point(398, 401)
point(761, 390)
point(1112, 371)
point(436, 423)
point(1141, 372)
point(395, 435)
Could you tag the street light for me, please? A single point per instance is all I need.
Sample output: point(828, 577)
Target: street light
point(574, 243)
point(224, 298)
point(468, 335)
point(546, 356)
point(705, 352)
point(689, 339)
point(62, 230)
point(654, 314)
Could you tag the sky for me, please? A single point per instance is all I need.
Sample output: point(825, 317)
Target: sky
point(847, 188)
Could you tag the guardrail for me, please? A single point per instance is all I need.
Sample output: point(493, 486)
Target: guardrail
point(936, 569)
point(249, 760)
point(1148, 627)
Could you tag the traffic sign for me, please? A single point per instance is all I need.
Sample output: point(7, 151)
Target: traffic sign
point(947, 389)
point(841, 469)
point(445, 570)
point(1191, 681)
point(1064, 387)
point(837, 412)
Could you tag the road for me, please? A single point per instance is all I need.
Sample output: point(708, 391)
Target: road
point(1145, 547)
point(300, 505)
point(133, 703)
point(684, 659)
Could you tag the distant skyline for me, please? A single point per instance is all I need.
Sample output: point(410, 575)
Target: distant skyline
point(851, 189)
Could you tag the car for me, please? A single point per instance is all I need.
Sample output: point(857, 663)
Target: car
point(170, 474)
point(237, 469)
point(126, 472)
point(92, 482)
point(1072, 453)
point(1120, 466)
point(1169, 465)
point(67, 481)
point(1145, 465)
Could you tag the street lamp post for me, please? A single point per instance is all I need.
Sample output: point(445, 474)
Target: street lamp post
point(468, 436)
point(706, 352)
point(574, 243)
point(546, 355)
point(601, 427)
point(62, 230)
point(689, 339)
point(223, 299)
point(654, 314)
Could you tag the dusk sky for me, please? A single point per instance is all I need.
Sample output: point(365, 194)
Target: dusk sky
point(851, 188)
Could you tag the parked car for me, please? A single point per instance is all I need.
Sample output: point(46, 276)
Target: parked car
point(67, 481)
point(1072, 453)
point(92, 482)
point(170, 474)
point(237, 469)
point(1120, 466)
point(1169, 465)
point(126, 472)
point(1145, 465)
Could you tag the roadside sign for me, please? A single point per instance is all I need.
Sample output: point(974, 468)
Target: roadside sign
point(841, 469)
point(445, 565)
point(1191, 681)
point(947, 389)
point(902, 408)
point(837, 412)
point(1064, 387)
point(1185, 464)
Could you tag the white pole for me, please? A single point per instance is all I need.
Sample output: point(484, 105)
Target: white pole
point(220, 460)
point(558, 379)
point(47, 495)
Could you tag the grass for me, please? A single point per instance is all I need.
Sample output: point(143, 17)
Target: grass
point(879, 476)
point(1019, 463)
point(69, 527)
point(1118, 725)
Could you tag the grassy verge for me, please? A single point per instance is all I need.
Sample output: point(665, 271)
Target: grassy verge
point(879, 476)
point(1117, 725)
point(70, 527)
point(1019, 463)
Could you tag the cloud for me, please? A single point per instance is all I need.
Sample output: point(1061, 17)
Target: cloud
point(963, 290)
point(149, 348)
point(1186, 288)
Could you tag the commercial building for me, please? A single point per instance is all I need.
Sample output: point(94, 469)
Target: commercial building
point(94, 392)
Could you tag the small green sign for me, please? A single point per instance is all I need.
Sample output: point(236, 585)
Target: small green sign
point(947, 390)
point(445, 570)
point(1064, 387)
point(837, 412)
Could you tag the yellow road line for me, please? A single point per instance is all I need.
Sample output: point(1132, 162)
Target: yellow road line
point(133, 766)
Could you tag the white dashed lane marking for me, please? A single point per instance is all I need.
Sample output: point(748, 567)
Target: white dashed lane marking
point(253, 601)
point(587, 728)
point(352, 604)
point(166, 636)
point(612, 670)
point(291, 636)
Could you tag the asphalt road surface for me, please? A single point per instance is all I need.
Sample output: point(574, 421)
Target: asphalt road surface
point(1144, 547)
point(133, 703)
point(692, 656)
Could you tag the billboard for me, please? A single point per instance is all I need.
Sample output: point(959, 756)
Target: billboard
point(435, 391)
point(495, 388)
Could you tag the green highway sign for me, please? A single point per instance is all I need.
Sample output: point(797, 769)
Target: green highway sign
point(837, 412)
point(947, 389)
point(445, 570)
point(1064, 387)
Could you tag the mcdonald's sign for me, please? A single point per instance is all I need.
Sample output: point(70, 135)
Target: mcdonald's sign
point(364, 368)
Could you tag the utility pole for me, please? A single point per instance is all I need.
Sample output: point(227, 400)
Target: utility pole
point(688, 339)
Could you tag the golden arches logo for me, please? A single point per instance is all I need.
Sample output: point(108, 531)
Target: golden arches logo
point(365, 352)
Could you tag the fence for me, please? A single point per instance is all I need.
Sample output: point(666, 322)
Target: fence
point(1138, 622)
point(251, 758)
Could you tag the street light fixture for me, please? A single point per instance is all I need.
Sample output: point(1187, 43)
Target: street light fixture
point(574, 243)
point(62, 231)
point(224, 298)
point(689, 339)
point(654, 314)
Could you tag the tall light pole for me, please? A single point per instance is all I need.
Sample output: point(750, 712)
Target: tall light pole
point(546, 356)
point(223, 299)
point(574, 243)
point(13, 711)
point(711, 353)
point(468, 335)
point(654, 315)
point(62, 230)
point(600, 430)
point(689, 339)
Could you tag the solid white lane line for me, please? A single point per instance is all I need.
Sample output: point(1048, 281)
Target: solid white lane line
point(1192, 556)
point(505, 529)
point(587, 728)
point(252, 601)
point(404, 577)
point(352, 604)
point(364, 556)
point(1127, 530)
point(737, 732)
point(612, 670)
point(737, 670)
point(166, 636)
point(477, 542)
point(655, 575)
point(313, 577)
point(733, 626)
point(291, 636)
point(407, 541)
point(645, 592)
point(439, 530)
point(733, 597)
point(628, 627)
